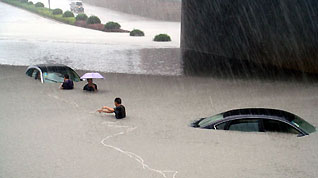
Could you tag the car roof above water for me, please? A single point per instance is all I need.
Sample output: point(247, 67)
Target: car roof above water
point(51, 67)
point(261, 111)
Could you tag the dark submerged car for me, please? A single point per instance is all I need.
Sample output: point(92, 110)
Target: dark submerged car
point(256, 120)
point(51, 73)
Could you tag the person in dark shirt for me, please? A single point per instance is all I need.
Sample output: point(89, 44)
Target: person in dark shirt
point(68, 83)
point(119, 110)
point(90, 86)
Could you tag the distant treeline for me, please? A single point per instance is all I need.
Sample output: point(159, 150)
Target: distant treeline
point(167, 10)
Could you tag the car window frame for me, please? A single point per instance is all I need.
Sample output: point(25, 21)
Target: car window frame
point(261, 124)
point(35, 68)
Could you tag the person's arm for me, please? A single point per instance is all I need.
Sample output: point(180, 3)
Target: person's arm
point(62, 86)
point(108, 108)
point(108, 111)
point(105, 110)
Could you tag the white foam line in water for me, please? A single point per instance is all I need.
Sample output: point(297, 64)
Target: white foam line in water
point(128, 129)
point(132, 155)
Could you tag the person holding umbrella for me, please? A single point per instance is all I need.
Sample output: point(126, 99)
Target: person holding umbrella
point(90, 86)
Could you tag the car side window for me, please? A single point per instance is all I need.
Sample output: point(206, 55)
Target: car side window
point(36, 74)
point(29, 72)
point(245, 125)
point(221, 126)
point(278, 126)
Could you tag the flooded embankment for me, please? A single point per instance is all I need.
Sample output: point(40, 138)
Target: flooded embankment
point(46, 132)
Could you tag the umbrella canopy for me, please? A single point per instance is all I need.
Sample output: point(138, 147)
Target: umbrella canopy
point(91, 75)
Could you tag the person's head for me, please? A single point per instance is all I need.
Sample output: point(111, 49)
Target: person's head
point(66, 77)
point(89, 80)
point(117, 102)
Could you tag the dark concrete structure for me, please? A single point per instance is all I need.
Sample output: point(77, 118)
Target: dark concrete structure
point(245, 33)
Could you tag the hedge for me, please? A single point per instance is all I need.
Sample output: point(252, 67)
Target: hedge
point(137, 32)
point(93, 20)
point(68, 14)
point(57, 11)
point(162, 37)
point(112, 26)
point(81, 17)
point(39, 4)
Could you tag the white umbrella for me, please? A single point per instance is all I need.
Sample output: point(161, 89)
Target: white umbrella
point(92, 75)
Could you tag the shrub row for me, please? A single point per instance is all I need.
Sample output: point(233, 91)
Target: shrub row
point(68, 17)
point(95, 23)
point(41, 10)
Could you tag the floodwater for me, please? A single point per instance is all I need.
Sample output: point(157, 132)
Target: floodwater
point(46, 132)
point(26, 38)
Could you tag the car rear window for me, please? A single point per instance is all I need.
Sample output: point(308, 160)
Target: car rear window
point(302, 124)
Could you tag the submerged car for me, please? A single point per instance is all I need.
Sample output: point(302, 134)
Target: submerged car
point(51, 73)
point(256, 120)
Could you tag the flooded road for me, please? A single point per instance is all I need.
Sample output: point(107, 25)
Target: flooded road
point(26, 38)
point(46, 132)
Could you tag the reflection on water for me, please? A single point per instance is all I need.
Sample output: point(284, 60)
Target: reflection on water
point(95, 57)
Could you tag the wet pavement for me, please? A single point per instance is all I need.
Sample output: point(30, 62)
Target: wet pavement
point(26, 38)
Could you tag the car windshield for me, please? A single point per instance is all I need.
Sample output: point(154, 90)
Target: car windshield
point(56, 75)
point(79, 3)
point(302, 124)
point(209, 120)
point(53, 77)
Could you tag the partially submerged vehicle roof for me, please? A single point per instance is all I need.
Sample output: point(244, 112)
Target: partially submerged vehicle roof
point(261, 111)
point(49, 67)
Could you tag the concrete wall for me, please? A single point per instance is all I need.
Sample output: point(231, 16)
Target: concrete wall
point(283, 33)
point(167, 10)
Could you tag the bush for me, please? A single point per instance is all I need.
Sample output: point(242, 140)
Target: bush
point(137, 32)
point(112, 26)
point(24, 1)
point(39, 4)
point(162, 37)
point(57, 11)
point(81, 17)
point(93, 20)
point(30, 2)
point(68, 14)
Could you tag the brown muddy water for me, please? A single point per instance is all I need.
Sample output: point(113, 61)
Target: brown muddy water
point(46, 132)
